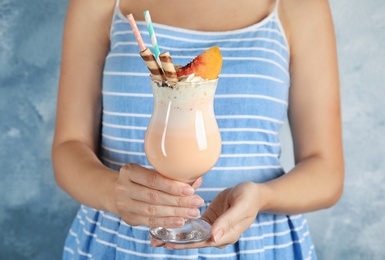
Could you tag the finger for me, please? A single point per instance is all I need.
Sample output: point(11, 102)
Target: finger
point(208, 243)
point(140, 213)
point(197, 183)
point(156, 197)
point(156, 211)
point(168, 222)
point(155, 180)
point(140, 220)
point(156, 243)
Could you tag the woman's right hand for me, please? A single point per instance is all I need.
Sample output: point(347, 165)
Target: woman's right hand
point(145, 197)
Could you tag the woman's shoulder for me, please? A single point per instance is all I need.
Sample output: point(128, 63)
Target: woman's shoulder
point(301, 15)
point(90, 6)
point(97, 12)
point(296, 11)
point(90, 16)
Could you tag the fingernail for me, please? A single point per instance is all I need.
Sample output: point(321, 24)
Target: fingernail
point(179, 222)
point(196, 202)
point(187, 190)
point(218, 235)
point(193, 212)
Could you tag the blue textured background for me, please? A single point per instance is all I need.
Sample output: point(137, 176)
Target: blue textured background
point(35, 214)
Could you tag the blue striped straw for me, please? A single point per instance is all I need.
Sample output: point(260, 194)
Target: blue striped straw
point(150, 28)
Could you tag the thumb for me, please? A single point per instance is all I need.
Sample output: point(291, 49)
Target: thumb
point(225, 223)
point(217, 235)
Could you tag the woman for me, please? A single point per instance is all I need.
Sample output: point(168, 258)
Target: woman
point(279, 58)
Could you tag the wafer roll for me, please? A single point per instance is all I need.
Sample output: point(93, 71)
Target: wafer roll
point(152, 65)
point(168, 67)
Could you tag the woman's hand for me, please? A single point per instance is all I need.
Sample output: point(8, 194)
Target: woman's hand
point(145, 197)
point(230, 213)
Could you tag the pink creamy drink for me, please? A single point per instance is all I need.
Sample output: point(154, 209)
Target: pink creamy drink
point(182, 140)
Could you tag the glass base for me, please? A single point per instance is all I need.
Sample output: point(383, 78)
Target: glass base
point(193, 231)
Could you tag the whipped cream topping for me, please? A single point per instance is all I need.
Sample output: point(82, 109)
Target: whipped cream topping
point(192, 78)
point(185, 94)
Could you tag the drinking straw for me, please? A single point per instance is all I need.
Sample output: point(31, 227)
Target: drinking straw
point(136, 32)
point(145, 52)
point(154, 42)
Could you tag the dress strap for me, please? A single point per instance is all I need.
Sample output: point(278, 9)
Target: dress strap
point(116, 12)
point(275, 8)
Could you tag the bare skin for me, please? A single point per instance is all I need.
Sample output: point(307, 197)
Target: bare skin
point(143, 197)
point(201, 15)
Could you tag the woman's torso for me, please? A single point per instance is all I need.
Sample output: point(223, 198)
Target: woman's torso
point(250, 103)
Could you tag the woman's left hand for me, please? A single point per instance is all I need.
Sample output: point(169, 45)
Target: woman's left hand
point(230, 214)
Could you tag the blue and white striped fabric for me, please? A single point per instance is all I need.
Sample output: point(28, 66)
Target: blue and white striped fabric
point(251, 103)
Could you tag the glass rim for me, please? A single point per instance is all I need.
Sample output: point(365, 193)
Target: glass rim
point(165, 82)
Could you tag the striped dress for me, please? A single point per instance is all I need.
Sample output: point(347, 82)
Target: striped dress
point(251, 104)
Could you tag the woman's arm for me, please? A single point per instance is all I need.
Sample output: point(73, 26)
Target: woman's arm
point(140, 196)
point(316, 181)
point(85, 45)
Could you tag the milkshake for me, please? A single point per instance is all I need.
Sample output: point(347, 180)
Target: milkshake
point(182, 140)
